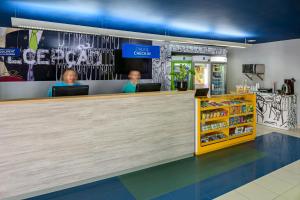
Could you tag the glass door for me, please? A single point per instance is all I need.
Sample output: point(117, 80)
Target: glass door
point(218, 79)
point(202, 75)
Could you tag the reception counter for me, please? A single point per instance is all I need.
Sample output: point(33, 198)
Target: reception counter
point(51, 144)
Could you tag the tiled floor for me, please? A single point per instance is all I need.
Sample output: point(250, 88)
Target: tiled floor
point(262, 130)
point(267, 168)
point(283, 184)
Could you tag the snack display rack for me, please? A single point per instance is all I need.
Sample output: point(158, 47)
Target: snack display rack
point(223, 121)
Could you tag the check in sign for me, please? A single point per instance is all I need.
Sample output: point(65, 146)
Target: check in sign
point(140, 51)
point(9, 52)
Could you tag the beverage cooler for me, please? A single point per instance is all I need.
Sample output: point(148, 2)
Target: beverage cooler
point(218, 75)
point(202, 71)
point(210, 72)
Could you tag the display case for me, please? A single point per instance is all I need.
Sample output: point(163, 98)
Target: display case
point(218, 79)
point(223, 121)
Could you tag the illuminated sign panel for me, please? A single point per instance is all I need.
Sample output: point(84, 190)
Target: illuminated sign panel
point(140, 51)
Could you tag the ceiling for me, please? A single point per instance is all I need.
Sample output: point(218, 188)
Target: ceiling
point(227, 20)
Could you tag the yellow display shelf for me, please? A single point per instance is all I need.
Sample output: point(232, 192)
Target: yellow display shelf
point(213, 108)
point(239, 135)
point(244, 99)
point(242, 114)
point(239, 125)
point(213, 130)
point(240, 104)
point(215, 119)
point(213, 142)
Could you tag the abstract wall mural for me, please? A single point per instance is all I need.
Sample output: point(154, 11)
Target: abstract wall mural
point(277, 110)
point(161, 68)
point(45, 54)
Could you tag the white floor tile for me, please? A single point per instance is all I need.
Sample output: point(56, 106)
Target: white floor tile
point(232, 196)
point(294, 167)
point(280, 198)
point(287, 175)
point(292, 194)
point(262, 130)
point(274, 184)
point(253, 191)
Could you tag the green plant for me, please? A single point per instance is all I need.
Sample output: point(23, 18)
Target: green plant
point(183, 73)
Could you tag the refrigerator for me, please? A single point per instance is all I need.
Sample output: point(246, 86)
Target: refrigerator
point(176, 62)
point(218, 75)
point(202, 69)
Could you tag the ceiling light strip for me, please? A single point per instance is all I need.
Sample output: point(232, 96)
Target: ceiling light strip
point(43, 25)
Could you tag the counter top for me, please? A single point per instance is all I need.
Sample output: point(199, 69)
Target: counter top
point(93, 97)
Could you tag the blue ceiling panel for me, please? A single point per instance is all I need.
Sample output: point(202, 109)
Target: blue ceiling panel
point(228, 20)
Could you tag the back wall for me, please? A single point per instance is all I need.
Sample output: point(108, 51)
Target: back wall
point(282, 60)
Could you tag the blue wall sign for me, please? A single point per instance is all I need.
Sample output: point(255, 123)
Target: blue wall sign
point(140, 51)
point(9, 52)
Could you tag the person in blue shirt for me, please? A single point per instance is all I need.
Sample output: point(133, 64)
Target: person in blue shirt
point(69, 78)
point(134, 78)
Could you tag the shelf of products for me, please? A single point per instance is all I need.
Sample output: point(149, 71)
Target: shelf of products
point(240, 110)
point(206, 128)
point(240, 120)
point(214, 115)
point(239, 125)
point(240, 131)
point(223, 121)
point(211, 106)
point(242, 114)
point(212, 138)
point(233, 102)
point(235, 105)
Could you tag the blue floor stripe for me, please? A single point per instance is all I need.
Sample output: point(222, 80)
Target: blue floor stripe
point(109, 189)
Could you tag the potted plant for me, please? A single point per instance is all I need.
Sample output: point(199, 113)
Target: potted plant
point(181, 77)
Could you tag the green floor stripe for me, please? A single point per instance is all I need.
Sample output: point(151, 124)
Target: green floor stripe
point(155, 181)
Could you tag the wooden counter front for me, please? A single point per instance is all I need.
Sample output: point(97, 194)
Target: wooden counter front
point(50, 144)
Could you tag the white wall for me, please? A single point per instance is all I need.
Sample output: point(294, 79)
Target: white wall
point(282, 60)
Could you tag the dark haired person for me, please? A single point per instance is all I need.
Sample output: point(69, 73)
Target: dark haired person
point(134, 78)
point(69, 78)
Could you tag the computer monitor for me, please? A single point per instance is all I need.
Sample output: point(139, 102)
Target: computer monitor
point(58, 91)
point(148, 87)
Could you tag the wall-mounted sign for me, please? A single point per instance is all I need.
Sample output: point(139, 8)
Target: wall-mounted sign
point(140, 51)
point(9, 52)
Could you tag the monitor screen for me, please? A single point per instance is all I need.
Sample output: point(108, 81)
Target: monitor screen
point(58, 91)
point(148, 87)
point(202, 92)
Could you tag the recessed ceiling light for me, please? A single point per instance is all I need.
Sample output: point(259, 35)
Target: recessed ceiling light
point(251, 41)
